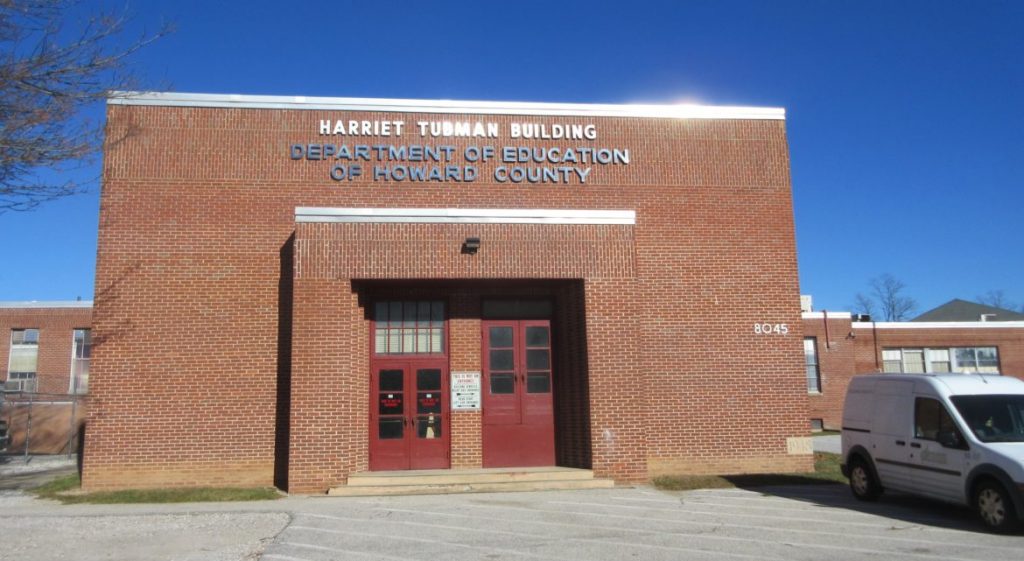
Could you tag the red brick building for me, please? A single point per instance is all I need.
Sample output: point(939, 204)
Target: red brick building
point(293, 290)
point(838, 347)
point(44, 365)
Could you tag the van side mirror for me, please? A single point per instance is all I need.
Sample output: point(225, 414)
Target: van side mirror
point(950, 439)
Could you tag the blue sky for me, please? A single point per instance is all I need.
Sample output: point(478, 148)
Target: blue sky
point(905, 119)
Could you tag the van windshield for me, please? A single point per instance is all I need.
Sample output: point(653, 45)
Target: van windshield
point(993, 418)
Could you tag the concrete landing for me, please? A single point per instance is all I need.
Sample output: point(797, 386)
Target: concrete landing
point(484, 480)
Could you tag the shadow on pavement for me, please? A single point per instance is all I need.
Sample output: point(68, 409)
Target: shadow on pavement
point(896, 506)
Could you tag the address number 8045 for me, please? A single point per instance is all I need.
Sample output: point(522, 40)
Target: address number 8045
point(771, 329)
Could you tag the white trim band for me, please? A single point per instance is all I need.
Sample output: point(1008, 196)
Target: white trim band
point(821, 315)
point(47, 304)
point(464, 215)
point(680, 111)
point(938, 324)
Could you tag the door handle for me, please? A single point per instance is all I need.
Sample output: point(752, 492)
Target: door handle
point(901, 443)
point(915, 444)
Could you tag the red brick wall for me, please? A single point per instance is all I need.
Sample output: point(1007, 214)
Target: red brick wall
point(56, 331)
point(836, 364)
point(198, 204)
point(859, 351)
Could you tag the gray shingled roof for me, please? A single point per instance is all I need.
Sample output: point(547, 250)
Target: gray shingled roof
point(962, 310)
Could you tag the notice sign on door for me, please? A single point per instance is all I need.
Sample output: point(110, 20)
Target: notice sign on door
point(466, 391)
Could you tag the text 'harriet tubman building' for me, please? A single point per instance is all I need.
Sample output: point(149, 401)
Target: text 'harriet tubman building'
point(292, 291)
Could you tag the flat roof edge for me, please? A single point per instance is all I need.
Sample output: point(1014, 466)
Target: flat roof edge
point(680, 111)
point(46, 304)
point(821, 315)
point(938, 324)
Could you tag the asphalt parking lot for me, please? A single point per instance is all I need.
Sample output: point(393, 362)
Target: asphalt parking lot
point(786, 523)
point(802, 522)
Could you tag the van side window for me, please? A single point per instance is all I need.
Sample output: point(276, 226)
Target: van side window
point(931, 418)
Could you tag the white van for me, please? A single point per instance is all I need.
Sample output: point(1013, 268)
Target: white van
point(953, 437)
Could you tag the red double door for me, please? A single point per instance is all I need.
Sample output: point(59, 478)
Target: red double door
point(409, 415)
point(518, 412)
point(409, 420)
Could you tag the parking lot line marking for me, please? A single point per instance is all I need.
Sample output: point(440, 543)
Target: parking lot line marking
point(643, 500)
point(284, 557)
point(683, 509)
point(799, 531)
point(805, 508)
point(547, 537)
point(394, 536)
point(370, 554)
point(834, 510)
point(918, 522)
point(908, 541)
point(882, 509)
point(592, 527)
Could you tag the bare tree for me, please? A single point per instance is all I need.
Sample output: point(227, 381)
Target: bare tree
point(888, 292)
point(863, 305)
point(48, 73)
point(996, 299)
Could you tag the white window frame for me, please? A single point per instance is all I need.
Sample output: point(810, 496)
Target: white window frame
point(954, 363)
point(10, 360)
point(72, 386)
point(817, 365)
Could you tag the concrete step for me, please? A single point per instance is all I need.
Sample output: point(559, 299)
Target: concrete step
point(467, 476)
point(493, 487)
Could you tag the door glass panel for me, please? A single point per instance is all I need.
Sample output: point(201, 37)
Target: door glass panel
point(536, 336)
point(538, 382)
point(390, 404)
point(501, 360)
point(428, 402)
point(428, 427)
point(389, 429)
point(501, 337)
point(391, 380)
point(502, 383)
point(537, 359)
point(428, 379)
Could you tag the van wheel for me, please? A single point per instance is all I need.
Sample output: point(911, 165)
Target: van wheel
point(862, 481)
point(995, 507)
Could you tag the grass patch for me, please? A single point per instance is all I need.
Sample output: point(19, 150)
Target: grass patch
point(825, 433)
point(67, 490)
point(826, 471)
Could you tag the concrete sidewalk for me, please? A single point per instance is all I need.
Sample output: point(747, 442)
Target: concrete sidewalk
point(827, 443)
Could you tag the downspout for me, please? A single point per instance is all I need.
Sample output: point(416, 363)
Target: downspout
point(828, 345)
point(874, 339)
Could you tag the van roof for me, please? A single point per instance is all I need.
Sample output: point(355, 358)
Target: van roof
point(960, 384)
